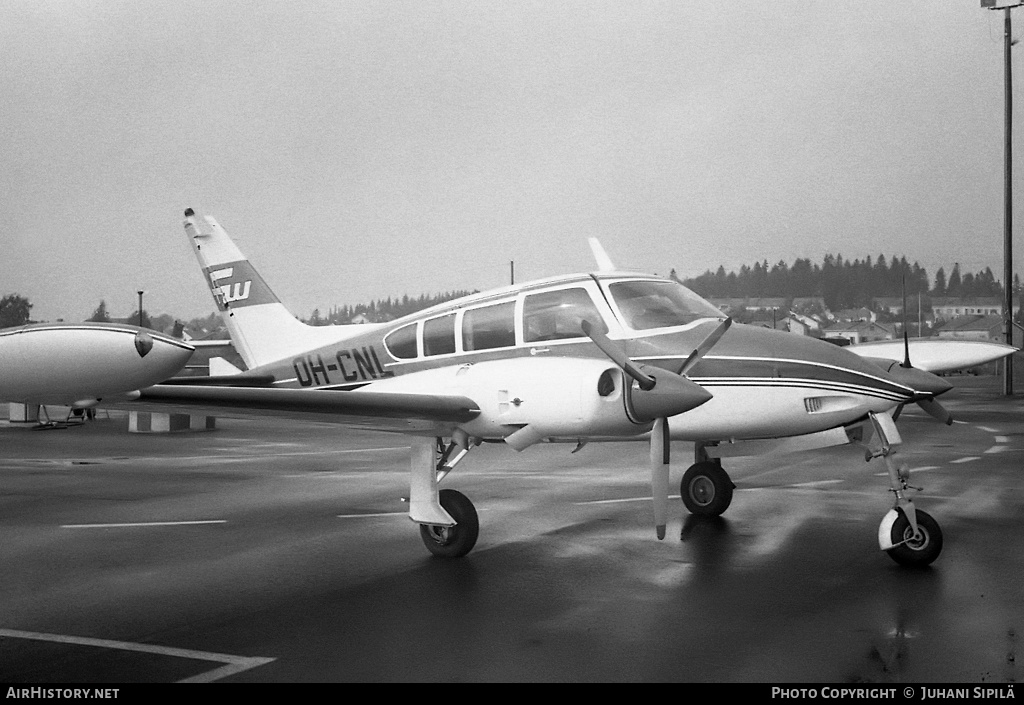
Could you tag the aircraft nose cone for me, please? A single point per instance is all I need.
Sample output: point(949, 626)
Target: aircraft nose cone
point(672, 394)
point(161, 358)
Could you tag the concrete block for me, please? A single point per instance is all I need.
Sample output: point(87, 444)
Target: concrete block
point(151, 422)
point(23, 413)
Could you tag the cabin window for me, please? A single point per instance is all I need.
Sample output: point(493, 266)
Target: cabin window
point(489, 327)
point(658, 304)
point(439, 335)
point(401, 343)
point(556, 315)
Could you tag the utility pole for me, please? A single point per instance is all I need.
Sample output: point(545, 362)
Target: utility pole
point(140, 308)
point(1006, 6)
point(1008, 212)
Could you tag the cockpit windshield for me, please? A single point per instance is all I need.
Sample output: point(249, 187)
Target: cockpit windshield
point(658, 304)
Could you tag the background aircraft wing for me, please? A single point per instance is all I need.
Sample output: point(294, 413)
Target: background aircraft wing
point(383, 411)
point(936, 355)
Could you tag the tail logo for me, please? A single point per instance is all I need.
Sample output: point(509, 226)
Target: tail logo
point(235, 292)
point(228, 293)
point(237, 284)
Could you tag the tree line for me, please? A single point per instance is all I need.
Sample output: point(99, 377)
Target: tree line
point(383, 310)
point(843, 283)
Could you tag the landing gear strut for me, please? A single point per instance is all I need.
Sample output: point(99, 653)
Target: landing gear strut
point(910, 537)
point(448, 521)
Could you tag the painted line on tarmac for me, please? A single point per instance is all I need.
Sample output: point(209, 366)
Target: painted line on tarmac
point(370, 516)
point(144, 523)
point(620, 501)
point(391, 514)
point(817, 483)
point(965, 460)
point(997, 449)
point(233, 664)
point(346, 474)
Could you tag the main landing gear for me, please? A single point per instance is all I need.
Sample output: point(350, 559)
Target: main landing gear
point(448, 521)
point(706, 488)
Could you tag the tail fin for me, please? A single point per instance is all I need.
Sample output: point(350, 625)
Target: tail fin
point(261, 328)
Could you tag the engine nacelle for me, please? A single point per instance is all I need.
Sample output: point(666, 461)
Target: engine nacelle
point(527, 399)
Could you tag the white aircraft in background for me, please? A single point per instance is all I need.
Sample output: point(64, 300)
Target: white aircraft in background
point(80, 364)
point(935, 355)
point(589, 357)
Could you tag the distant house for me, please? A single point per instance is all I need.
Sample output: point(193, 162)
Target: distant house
point(762, 321)
point(860, 331)
point(810, 305)
point(855, 314)
point(892, 304)
point(947, 308)
point(727, 305)
point(765, 303)
point(804, 325)
point(973, 328)
point(359, 318)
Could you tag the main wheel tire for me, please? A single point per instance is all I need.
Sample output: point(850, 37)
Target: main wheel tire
point(919, 551)
point(706, 489)
point(453, 541)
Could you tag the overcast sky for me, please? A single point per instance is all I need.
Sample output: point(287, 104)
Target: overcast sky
point(360, 150)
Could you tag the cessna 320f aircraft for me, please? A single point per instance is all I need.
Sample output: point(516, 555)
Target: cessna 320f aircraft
point(589, 357)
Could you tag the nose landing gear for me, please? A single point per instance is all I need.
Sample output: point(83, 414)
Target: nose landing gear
point(909, 536)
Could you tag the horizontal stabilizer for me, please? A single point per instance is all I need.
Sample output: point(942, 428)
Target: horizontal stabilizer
point(219, 367)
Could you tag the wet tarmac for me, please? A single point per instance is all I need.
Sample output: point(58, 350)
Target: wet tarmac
point(273, 551)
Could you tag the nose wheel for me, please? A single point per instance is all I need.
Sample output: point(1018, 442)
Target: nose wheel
point(914, 549)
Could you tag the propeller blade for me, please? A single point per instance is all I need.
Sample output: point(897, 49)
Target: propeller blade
point(936, 409)
point(659, 474)
point(702, 349)
point(618, 356)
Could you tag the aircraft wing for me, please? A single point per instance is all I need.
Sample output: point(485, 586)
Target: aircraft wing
point(936, 355)
point(385, 411)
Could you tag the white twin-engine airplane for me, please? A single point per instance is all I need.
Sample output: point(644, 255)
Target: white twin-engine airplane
point(80, 364)
point(588, 357)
